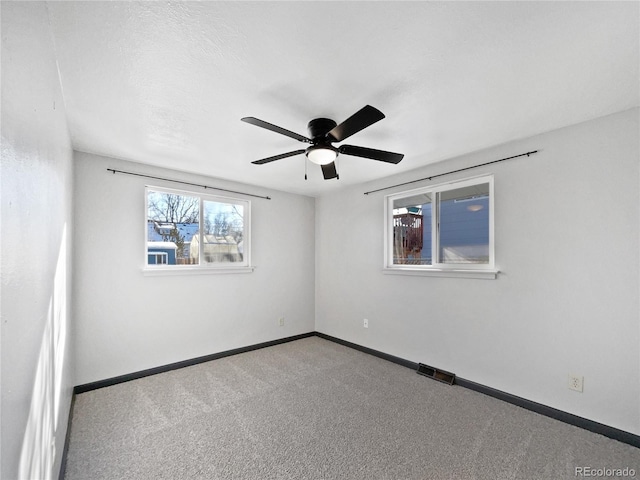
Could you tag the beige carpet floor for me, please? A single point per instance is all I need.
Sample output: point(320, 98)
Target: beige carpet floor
point(313, 409)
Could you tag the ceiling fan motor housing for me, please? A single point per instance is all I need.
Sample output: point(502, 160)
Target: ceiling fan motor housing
point(318, 129)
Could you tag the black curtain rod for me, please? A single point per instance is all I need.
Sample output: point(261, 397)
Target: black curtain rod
point(186, 183)
point(452, 171)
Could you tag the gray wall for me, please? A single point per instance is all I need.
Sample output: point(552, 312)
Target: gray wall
point(37, 376)
point(566, 300)
point(127, 321)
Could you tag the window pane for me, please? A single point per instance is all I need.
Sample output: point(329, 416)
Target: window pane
point(412, 230)
point(464, 225)
point(172, 225)
point(223, 233)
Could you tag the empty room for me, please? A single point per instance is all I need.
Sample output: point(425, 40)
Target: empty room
point(320, 240)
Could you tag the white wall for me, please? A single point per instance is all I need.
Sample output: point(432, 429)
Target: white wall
point(127, 322)
point(36, 208)
point(566, 300)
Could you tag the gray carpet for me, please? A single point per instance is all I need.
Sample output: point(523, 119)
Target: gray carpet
point(313, 409)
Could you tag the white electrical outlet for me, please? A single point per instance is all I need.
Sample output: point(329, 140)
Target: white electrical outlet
point(365, 323)
point(576, 382)
point(281, 321)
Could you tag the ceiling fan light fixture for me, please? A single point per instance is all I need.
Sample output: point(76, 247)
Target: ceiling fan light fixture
point(322, 154)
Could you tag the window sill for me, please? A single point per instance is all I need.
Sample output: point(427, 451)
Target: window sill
point(442, 272)
point(193, 270)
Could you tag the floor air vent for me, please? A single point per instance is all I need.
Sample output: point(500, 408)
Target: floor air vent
point(436, 374)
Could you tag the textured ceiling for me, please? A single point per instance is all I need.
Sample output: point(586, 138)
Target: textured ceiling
point(166, 83)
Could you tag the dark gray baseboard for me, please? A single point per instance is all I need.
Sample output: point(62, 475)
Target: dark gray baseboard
point(87, 387)
point(67, 439)
point(370, 351)
point(607, 431)
point(584, 423)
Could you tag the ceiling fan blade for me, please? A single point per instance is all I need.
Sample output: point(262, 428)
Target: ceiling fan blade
point(371, 153)
point(329, 171)
point(277, 157)
point(360, 120)
point(274, 128)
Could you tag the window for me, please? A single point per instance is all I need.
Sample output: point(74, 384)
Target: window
point(444, 230)
point(186, 231)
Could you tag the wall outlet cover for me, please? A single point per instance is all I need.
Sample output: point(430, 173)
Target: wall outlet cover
point(576, 382)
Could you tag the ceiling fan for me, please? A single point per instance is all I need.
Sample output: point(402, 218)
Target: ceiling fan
point(323, 132)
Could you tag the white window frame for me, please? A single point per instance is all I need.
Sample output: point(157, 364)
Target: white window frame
point(202, 267)
point(485, 270)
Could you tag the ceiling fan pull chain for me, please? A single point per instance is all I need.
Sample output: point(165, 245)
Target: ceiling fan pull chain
point(305, 168)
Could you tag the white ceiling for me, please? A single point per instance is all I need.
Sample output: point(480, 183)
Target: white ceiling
point(166, 83)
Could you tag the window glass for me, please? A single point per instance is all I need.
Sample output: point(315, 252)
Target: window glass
point(172, 222)
point(464, 225)
point(223, 239)
point(412, 230)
